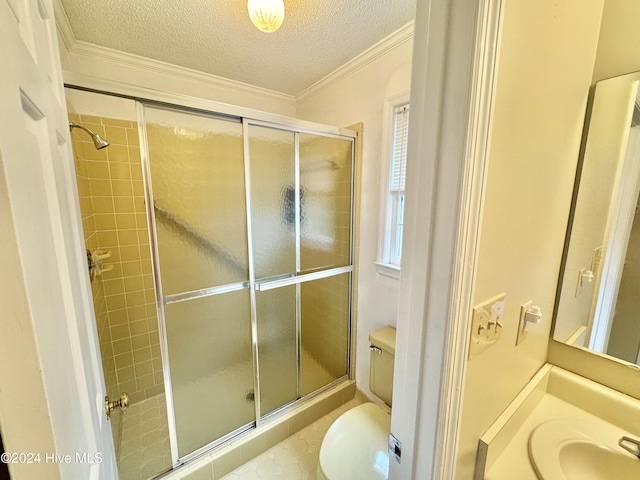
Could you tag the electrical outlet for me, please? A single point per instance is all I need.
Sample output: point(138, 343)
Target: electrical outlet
point(487, 324)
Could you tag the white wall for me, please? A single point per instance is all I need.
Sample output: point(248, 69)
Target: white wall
point(546, 58)
point(619, 43)
point(360, 97)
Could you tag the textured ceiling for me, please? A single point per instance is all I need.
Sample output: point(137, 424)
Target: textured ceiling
point(217, 37)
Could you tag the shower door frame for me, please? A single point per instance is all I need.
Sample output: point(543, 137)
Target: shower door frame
point(296, 127)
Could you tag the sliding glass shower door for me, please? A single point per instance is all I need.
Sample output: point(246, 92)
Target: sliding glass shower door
point(271, 177)
point(301, 203)
point(252, 233)
point(326, 180)
point(198, 201)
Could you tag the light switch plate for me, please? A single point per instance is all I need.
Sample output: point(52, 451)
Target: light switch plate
point(487, 324)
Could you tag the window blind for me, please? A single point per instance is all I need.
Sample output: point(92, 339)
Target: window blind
point(400, 136)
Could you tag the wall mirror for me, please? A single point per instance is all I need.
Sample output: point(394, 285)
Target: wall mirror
point(598, 301)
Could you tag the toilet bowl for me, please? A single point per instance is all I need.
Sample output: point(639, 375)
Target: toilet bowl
point(355, 446)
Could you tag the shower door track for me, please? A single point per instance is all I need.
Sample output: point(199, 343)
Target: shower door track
point(211, 108)
point(251, 427)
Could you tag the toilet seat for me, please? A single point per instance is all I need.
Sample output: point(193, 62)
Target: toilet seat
point(355, 446)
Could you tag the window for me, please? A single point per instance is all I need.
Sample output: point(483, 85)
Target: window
point(393, 190)
point(396, 183)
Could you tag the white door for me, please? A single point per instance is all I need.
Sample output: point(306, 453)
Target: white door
point(37, 182)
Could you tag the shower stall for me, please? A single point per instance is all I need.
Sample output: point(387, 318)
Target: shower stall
point(237, 306)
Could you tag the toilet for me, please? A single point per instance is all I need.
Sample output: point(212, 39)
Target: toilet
point(355, 446)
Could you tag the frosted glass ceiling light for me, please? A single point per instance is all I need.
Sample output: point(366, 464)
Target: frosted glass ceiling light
point(266, 15)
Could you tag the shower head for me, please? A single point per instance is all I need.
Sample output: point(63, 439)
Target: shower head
point(98, 141)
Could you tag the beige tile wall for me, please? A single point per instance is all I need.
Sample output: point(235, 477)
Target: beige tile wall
point(91, 243)
point(114, 219)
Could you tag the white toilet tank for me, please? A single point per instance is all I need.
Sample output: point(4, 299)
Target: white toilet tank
point(383, 349)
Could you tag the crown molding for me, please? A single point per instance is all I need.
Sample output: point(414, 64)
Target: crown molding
point(63, 25)
point(130, 60)
point(157, 67)
point(400, 36)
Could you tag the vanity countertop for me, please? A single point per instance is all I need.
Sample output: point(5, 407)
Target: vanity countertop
point(514, 460)
point(553, 393)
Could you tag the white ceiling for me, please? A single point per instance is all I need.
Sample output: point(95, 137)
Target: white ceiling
point(217, 37)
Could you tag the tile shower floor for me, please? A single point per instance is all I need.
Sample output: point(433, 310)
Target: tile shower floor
point(295, 458)
point(144, 446)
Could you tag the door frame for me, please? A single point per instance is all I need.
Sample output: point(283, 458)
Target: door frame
point(455, 57)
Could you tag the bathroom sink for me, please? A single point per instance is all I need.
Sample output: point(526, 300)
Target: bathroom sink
point(572, 449)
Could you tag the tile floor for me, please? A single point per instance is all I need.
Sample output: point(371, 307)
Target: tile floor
point(295, 458)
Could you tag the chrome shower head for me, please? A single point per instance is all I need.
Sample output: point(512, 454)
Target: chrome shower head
point(98, 141)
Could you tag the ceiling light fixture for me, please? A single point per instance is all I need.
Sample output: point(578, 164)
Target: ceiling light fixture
point(266, 15)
